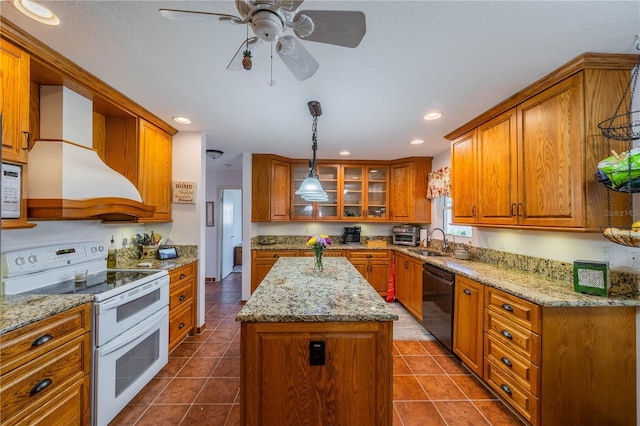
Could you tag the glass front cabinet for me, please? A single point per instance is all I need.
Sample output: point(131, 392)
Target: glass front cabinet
point(328, 175)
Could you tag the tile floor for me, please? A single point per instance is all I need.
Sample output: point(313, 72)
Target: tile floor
point(200, 384)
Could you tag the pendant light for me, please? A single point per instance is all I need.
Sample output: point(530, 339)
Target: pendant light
point(311, 189)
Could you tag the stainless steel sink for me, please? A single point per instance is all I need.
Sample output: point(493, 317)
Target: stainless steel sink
point(428, 252)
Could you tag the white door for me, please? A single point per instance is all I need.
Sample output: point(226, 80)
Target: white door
point(231, 214)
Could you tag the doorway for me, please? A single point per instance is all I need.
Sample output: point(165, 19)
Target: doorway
point(230, 238)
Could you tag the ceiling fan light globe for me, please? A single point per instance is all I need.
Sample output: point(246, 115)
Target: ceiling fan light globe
point(267, 25)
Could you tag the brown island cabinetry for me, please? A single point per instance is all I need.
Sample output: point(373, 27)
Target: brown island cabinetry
point(316, 348)
point(552, 364)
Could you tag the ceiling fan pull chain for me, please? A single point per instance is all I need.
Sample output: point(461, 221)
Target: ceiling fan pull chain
point(271, 82)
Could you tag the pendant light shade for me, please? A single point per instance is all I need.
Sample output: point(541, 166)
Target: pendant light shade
point(310, 188)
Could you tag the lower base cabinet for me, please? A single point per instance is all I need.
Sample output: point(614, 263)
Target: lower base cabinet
point(554, 365)
point(182, 303)
point(409, 284)
point(468, 316)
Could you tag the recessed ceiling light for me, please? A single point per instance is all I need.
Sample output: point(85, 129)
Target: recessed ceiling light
point(36, 11)
point(432, 116)
point(181, 120)
point(345, 153)
point(417, 142)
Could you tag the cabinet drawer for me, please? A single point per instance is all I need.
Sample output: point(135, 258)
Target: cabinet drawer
point(327, 253)
point(28, 342)
point(512, 335)
point(180, 324)
point(273, 254)
point(520, 311)
point(53, 372)
point(368, 254)
point(181, 294)
point(521, 369)
point(520, 399)
point(182, 273)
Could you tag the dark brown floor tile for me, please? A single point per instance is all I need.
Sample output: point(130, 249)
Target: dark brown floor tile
point(440, 388)
point(396, 417)
point(451, 365)
point(185, 350)
point(434, 347)
point(212, 349)
point(394, 350)
point(222, 335)
point(472, 387)
point(229, 323)
point(410, 348)
point(407, 388)
point(219, 390)
point(198, 338)
point(423, 364)
point(460, 413)
point(173, 366)
point(419, 413)
point(233, 350)
point(181, 391)
point(128, 415)
point(400, 367)
point(151, 391)
point(163, 415)
point(227, 367)
point(199, 367)
point(497, 413)
point(234, 416)
point(207, 414)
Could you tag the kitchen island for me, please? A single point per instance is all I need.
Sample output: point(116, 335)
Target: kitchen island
point(316, 348)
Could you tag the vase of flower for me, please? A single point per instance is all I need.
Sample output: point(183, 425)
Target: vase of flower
point(318, 243)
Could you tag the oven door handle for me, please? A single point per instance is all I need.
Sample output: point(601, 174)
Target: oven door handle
point(126, 338)
point(131, 295)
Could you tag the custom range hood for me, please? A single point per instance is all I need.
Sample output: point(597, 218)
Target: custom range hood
point(66, 178)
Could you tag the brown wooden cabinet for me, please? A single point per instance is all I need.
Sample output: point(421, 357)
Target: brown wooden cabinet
point(59, 365)
point(271, 188)
point(154, 170)
point(374, 265)
point(262, 261)
point(14, 77)
point(365, 189)
point(536, 153)
point(330, 178)
point(409, 284)
point(183, 291)
point(408, 190)
point(468, 315)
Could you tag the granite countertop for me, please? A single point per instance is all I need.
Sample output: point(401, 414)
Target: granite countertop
point(168, 265)
point(20, 310)
point(293, 292)
point(535, 288)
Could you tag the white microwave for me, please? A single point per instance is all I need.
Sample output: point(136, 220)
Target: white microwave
point(11, 191)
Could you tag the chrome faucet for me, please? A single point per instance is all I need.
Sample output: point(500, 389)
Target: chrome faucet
point(445, 242)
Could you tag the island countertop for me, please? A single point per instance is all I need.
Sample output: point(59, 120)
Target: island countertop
point(293, 292)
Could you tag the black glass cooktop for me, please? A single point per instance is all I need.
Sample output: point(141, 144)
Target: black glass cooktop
point(96, 283)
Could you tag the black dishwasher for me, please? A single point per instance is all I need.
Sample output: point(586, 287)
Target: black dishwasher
point(437, 303)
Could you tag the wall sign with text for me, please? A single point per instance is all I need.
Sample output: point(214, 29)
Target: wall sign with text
point(184, 192)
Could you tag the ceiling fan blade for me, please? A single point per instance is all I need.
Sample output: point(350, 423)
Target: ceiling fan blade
point(296, 57)
point(338, 27)
point(236, 62)
point(193, 14)
point(289, 5)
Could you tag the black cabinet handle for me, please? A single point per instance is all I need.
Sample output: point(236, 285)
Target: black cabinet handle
point(276, 256)
point(506, 389)
point(28, 138)
point(42, 385)
point(182, 276)
point(506, 334)
point(467, 292)
point(41, 340)
point(182, 297)
point(507, 307)
point(506, 361)
point(368, 256)
point(181, 326)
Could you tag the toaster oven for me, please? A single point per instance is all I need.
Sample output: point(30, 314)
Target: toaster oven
point(406, 235)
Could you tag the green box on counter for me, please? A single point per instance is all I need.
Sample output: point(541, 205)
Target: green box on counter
point(591, 277)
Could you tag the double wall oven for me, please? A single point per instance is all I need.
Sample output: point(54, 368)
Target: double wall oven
point(130, 314)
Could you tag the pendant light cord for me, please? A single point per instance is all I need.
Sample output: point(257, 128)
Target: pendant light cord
point(314, 146)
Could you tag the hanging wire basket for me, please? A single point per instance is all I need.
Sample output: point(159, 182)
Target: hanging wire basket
point(624, 125)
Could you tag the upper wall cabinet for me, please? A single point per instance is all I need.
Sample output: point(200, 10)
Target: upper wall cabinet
point(154, 170)
point(534, 156)
point(365, 190)
point(409, 200)
point(14, 101)
point(329, 177)
point(271, 188)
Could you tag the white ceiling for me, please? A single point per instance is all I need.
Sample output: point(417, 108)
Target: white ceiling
point(456, 57)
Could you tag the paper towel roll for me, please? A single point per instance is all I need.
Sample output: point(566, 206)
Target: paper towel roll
point(423, 237)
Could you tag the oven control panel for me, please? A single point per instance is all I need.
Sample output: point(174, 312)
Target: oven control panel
point(36, 259)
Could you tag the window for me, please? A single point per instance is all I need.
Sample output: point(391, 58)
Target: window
point(457, 230)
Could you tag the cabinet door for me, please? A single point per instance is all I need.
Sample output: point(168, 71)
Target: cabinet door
point(464, 179)
point(402, 200)
point(497, 171)
point(328, 175)
point(301, 209)
point(263, 260)
point(377, 195)
point(551, 156)
point(14, 101)
point(280, 190)
point(353, 192)
point(415, 285)
point(379, 275)
point(402, 278)
point(467, 323)
point(154, 171)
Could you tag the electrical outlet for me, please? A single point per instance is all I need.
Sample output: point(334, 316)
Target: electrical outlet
point(634, 258)
point(606, 254)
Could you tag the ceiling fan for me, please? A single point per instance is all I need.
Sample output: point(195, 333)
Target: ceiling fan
point(270, 19)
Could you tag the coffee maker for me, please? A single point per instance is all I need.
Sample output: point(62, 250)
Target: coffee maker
point(351, 235)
